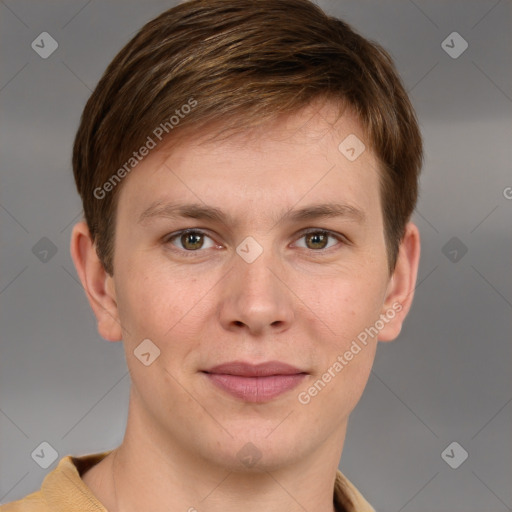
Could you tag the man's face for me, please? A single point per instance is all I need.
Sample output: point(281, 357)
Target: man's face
point(258, 286)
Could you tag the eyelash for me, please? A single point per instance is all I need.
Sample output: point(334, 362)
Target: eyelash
point(169, 238)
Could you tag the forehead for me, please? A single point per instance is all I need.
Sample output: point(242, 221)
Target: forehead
point(298, 160)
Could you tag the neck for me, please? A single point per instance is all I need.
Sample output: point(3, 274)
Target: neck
point(149, 472)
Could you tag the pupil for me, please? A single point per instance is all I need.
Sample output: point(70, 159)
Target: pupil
point(318, 239)
point(192, 239)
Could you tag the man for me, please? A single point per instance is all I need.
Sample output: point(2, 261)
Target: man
point(248, 169)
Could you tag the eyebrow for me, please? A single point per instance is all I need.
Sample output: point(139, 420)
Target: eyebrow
point(159, 209)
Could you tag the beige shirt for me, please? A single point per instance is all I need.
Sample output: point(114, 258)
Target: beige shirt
point(63, 490)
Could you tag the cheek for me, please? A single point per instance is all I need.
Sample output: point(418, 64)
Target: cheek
point(350, 305)
point(344, 367)
point(350, 308)
point(162, 305)
point(140, 303)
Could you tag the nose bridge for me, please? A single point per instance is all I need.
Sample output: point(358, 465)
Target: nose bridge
point(255, 297)
point(255, 270)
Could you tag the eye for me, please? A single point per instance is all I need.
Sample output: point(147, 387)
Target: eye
point(319, 239)
point(190, 240)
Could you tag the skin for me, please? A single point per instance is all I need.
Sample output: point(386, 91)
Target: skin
point(298, 303)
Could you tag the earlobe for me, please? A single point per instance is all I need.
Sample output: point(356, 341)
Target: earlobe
point(98, 285)
point(400, 291)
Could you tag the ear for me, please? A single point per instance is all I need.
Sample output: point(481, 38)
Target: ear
point(400, 290)
point(98, 285)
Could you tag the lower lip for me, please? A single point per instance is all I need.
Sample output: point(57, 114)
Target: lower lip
point(256, 389)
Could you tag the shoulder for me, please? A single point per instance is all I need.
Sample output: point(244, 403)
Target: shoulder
point(62, 489)
point(347, 497)
point(31, 503)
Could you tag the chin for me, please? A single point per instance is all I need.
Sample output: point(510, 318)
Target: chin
point(259, 451)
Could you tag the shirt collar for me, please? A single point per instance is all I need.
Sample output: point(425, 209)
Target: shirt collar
point(65, 480)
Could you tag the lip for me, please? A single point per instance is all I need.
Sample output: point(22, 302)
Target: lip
point(255, 382)
point(243, 369)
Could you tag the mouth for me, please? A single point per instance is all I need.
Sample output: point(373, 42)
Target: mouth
point(255, 383)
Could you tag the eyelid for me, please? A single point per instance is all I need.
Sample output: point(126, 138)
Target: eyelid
point(338, 236)
point(334, 234)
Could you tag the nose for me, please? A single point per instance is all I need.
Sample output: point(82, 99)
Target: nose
point(256, 298)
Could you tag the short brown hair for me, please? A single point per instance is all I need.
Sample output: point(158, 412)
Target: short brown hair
point(242, 62)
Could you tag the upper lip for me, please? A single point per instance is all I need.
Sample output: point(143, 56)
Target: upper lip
point(243, 369)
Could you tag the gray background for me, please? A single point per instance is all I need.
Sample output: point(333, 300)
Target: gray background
point(446, 378)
